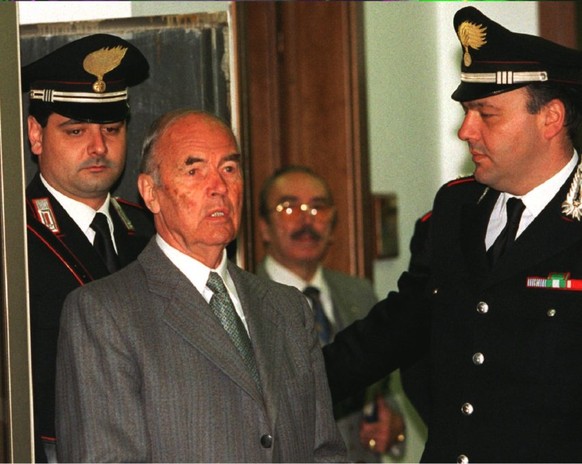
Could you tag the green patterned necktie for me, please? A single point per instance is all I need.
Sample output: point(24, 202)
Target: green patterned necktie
point(224, 310)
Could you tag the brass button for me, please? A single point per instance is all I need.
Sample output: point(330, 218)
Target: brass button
point(551, 312)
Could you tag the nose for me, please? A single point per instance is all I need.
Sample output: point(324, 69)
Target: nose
point(216, 182)
point(97, 144)
point(468, 131)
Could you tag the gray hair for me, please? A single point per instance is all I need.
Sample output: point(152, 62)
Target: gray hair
point(158, 128)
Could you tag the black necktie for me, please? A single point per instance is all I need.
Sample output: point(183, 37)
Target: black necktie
point(103, 242)
point(322, 324)
point(506, 238)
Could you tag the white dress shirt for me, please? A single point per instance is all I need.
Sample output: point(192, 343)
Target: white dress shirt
point(535, 201)
point(198, 273)
point(281, 274)
point(81, 213)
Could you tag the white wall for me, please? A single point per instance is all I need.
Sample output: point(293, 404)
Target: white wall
point(48, 12)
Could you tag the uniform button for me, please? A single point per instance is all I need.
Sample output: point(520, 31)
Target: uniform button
point(467, 409)
point(482, 307)
point(435, 291)
point(551, 312)
point(478, 359)
point(267, 441)
point(462, 459)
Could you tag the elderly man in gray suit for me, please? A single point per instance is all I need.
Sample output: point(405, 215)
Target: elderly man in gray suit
point(183, 356)
point(297, 219)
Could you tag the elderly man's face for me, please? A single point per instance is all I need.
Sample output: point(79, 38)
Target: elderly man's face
point(197, 204)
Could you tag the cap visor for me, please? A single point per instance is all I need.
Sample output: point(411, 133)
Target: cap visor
point(99, 113)
point(468, 92)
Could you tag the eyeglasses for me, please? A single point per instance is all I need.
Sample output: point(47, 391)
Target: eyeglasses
point(292, 211)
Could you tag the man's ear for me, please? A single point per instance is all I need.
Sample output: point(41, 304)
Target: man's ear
point(147, 190)
point(554, 117)
point(35, 132)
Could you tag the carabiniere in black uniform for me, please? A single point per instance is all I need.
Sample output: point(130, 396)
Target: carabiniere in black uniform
point(86, 81)
point(504, 341)
point(59, 261)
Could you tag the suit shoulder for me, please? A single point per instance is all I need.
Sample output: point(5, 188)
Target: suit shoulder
point(264, 281)
point(337, 277)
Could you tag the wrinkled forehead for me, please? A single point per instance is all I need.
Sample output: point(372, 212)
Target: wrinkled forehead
point(197, 136)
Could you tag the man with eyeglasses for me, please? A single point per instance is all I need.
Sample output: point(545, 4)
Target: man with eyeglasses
point(297, 219)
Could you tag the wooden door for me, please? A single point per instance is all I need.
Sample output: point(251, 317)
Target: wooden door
point(303, 102)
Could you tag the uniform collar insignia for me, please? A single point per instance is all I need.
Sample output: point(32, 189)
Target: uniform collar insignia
point(122, 215)
point(45, 214)
point(572, 206)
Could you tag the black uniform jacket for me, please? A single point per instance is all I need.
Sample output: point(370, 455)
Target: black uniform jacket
point(504, 343)
point(58, 262)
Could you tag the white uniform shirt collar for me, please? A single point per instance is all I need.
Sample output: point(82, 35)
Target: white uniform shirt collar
point(81, 213)
point(535, 201)
point(197, 273)
point(281, 274)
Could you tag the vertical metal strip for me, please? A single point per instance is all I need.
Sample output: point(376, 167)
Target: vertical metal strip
point(16, 412)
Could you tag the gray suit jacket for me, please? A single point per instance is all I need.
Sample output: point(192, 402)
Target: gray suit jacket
point(352, 298)
point(145, 372)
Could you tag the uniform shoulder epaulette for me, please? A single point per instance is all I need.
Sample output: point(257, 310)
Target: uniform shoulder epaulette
point(128, 203)
point(461, 180)
point(115, 203)
point(426, 216)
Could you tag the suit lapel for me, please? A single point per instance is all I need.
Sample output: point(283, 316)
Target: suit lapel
point(265, 330)
point(189, 315)
point(342, 308)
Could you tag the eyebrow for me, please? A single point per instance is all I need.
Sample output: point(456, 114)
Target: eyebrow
point(232, 157)
point(291, 198)
point(195, 159)
point(192, 159)
point(76, 122)
point(288, 198)
point(71, 122)
point(472, 105)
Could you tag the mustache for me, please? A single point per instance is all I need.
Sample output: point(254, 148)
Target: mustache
point(306, 230)
point(99, 161)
